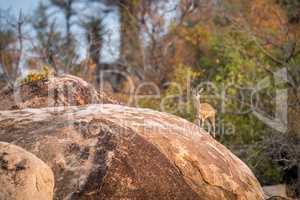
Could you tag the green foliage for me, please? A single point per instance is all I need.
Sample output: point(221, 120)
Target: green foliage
point(267, 171)
point(176, 99)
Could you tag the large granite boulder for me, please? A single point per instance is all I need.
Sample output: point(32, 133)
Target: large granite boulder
point(54, 91)
point(23, 176)
point(114, 152)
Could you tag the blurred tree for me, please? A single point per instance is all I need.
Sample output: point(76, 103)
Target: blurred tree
point(94, 31)
point(130, 27)
point(12, 43)
point(131, 48)
point(67, 7)
point(49, 40)
point(7, 38)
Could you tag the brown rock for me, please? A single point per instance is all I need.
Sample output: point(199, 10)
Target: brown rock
point(278, 198)
point(23, 176)
point(65, 90)
point(275, 191)
point(116, 152)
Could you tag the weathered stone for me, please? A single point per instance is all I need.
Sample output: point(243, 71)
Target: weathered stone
point(115, 152)
point(23, 176)
point(279, 198)
point(65, 90)
point(275, 190)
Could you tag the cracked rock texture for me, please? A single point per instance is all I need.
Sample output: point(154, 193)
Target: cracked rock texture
point(64, 90)
point(114, 152)
point(23, 176)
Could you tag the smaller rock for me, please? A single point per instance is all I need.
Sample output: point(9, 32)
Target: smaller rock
point(23, 176)
point(275, 191)
point(278, 198)
point(63, 90)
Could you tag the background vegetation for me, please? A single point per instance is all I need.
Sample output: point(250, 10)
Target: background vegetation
point(230, 44)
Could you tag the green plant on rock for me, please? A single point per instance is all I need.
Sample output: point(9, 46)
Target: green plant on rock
point(43, 74)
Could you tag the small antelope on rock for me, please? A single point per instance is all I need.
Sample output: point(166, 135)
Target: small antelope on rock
point(204, 112)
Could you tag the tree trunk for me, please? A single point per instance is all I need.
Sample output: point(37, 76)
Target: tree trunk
point(130, 49)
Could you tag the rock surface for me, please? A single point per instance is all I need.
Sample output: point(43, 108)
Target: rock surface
point(275, 191)
point(65, 90)
point(115, 152)
point(23, 176)
point(279, 198)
